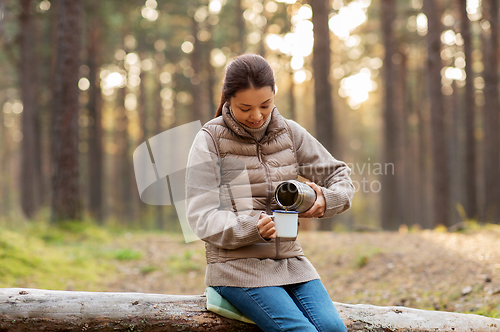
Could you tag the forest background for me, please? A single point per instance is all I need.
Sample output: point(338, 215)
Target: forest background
point(406, 92)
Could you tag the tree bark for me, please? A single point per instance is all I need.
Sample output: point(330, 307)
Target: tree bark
point(30, 167)
point(403, 161)
point(441, 215)
point(491, 113)
point(123, 185)
point(390, 196)
point(64, 146)
point(424, 143)
point(4, 148)
point(323, 103)
point(158, 115)
point(143, 110)
point(5, 168)
point(325, 129)
point(142, 102)
point(291, 97)
point(95, 152)
point(43, 310)
point(240, 44)
point(470, 192)
point(212, 76)
point(454, 146)
point(196, 86)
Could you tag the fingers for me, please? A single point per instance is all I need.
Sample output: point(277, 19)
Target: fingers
point(316, 188)
point(266, 228)
point(311, 213)
point(319, 206)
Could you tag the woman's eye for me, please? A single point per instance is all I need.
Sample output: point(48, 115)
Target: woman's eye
point(245, 110)
point(265, 106)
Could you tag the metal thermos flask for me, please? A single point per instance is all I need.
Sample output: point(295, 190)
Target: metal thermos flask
point(293, 195)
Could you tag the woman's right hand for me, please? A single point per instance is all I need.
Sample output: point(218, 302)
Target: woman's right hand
point(265, 225)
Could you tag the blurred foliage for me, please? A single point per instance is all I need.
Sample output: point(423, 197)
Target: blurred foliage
point(66, 257)
point(126, 254)
point(70, 255)
point(190, 260)
point(364, 254)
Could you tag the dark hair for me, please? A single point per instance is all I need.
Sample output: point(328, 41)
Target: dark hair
point(244, 72)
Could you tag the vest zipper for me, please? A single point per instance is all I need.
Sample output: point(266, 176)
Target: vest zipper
point(269, 192)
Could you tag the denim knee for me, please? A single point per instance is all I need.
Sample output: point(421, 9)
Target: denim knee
point(333, 325)
point(329, 323)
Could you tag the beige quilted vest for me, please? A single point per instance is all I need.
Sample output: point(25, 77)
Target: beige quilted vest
point(268, 162)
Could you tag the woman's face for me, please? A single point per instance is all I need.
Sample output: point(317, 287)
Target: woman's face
point(253, 106)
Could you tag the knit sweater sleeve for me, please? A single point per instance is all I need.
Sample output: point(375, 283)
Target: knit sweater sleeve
point(221, 228)
point(316, 164)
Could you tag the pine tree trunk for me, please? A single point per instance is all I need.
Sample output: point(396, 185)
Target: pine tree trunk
point(325, 128)
point(453, 114)
point(440, 170)
point(390, 195)
point(470, 191)
point(196, 91)
point(415, 180)
point(65, 189)
point(291, 97)
point(95, 152)
point(5, 168)
point(403, 161)
point(30, 166)
point(142, 109)
point(46, 130)
point(41, 148)
point(212, 76)
point(424, 167)
point(122, 167)
point(158, 114)
point(491, 113)
point(240, 26)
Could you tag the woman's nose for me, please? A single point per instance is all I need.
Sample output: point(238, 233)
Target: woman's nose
point(255, 114)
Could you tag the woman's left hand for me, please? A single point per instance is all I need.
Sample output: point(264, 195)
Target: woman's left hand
point(319, 206)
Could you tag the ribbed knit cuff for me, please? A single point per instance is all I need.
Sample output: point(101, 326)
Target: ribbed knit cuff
point(336, 202)
point(247, 231)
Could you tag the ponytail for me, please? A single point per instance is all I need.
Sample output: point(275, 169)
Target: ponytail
point(221, 105)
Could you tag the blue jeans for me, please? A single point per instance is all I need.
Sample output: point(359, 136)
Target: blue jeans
point(300, 307)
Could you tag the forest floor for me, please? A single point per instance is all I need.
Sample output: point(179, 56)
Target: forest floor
point(422, 269)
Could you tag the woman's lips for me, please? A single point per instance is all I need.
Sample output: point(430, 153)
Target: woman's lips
point(255, 124)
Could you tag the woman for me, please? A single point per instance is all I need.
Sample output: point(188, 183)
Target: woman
point(235, 164)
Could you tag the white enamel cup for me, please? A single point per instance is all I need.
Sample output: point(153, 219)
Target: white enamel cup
point(286, 223)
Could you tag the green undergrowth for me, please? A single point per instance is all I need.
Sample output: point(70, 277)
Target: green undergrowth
point(190, 260)
point(488, 311)
point(74, 255)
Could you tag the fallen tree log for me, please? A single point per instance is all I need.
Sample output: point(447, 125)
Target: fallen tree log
point(45, 310)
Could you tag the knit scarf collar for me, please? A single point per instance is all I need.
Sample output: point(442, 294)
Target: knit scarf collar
point(256, 133)
point(274, 125)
